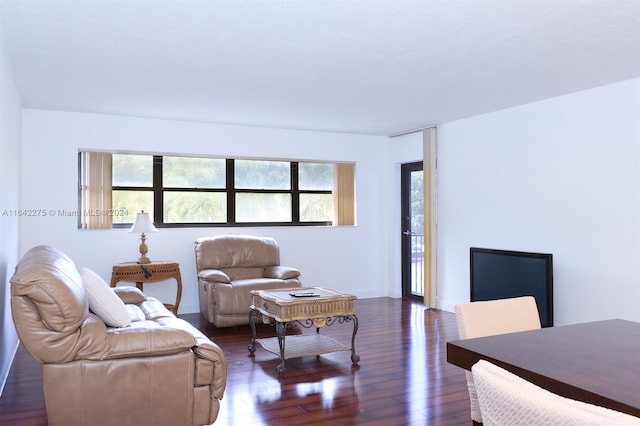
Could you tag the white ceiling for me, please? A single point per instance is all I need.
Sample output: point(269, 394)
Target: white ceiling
point(371, 67)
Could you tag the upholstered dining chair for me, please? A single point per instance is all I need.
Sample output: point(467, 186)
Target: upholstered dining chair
point(508, 400)
point(488, 318)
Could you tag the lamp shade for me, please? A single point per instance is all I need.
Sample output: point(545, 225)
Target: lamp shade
point(143, 224)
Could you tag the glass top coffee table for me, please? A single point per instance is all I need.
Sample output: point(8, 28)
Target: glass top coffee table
point(310, 307)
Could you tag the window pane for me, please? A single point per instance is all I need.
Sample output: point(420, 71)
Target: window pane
point(254, 174)
point(315, 176)
point(263, 208)
point(132, 170)
point(316, 207)
point(185, 172)
point(417, 204)
point(194, 207)
point(127, 204)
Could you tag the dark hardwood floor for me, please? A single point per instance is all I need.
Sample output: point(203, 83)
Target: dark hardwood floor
point(403, 377)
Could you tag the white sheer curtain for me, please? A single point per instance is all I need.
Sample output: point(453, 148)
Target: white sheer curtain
point(344, 194)
point(96, 185)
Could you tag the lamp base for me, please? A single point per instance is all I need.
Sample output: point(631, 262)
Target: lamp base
point(143, 250)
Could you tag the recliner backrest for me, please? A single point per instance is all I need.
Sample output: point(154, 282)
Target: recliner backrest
point(236, 251)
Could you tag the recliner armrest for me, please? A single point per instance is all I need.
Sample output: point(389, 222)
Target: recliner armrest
point(214, 275)
point(281, 272)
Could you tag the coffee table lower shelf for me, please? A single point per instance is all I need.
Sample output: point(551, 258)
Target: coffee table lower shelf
point(297, 346)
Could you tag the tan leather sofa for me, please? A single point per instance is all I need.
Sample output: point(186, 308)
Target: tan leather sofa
point(229, 267)
point(159, 370)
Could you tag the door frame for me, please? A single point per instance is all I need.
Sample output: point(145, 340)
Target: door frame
point(405, 223)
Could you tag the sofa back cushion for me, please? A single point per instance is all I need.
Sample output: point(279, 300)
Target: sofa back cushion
point(51, 281)
point(236, 251)
point(50, 308)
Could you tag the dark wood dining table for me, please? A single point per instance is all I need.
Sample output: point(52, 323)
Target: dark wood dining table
point(595, 362)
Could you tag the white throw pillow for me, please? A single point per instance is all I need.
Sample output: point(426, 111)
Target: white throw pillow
point(103, 301)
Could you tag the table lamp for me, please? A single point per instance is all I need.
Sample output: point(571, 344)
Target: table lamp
point(142, 226)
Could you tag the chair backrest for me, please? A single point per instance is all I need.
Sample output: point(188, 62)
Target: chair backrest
point(488, 318)
point(236, 251)
point(491, 317)
point(508, 400)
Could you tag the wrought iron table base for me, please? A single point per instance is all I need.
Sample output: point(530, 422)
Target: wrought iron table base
point(281, 329)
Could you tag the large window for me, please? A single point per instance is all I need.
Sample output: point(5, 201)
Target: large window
point(202, 191)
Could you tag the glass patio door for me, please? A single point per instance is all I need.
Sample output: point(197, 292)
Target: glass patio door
point(412, 196)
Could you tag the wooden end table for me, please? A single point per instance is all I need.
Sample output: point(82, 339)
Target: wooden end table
point(309, 307)
point(140, 273)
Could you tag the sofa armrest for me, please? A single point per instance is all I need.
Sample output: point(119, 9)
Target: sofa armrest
point(146, 338)
point(214, 275)
point(209, 354)
point(281, 272)
point(211, 365)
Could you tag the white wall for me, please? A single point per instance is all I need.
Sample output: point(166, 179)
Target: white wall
point(559, 176)
point(352, 259)
point(9, 197)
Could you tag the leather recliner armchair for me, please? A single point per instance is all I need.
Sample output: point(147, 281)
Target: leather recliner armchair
point(159, 370)
point(229, 267)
